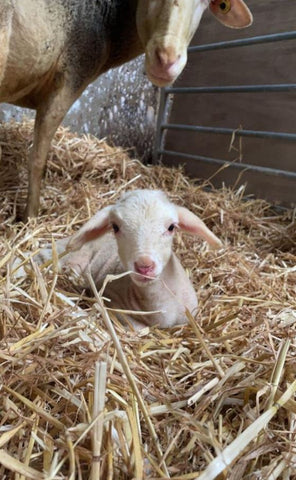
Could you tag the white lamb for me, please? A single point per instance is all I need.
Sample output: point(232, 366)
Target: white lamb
point(135, 235)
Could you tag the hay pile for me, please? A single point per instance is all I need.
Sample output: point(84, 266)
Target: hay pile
point(77, 403)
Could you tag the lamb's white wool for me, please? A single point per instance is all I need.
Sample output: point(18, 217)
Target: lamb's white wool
point(136, 235)
point(144, 238)
point(143, 219)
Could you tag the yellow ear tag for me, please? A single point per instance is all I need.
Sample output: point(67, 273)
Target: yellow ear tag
point(225, 6)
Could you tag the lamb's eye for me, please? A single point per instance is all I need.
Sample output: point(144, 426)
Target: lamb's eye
point(115, 228)
point(171, 228)
point(225, 6)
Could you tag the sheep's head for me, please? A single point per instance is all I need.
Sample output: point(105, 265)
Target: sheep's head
point(143, 222)
point(166, 27)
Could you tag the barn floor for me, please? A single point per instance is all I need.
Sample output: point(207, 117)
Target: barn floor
point(213, 399)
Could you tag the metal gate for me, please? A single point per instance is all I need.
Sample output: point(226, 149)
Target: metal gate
point(273, 178)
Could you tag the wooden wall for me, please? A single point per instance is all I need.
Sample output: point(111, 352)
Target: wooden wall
point(272, 63)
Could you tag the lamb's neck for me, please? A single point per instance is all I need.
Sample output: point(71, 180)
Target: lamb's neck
point(152, 294)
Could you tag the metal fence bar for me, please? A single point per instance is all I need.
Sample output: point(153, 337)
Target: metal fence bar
point(225, 163)
point(274, 37)
point(163, 126)
point(229, 131)
point(284, 87)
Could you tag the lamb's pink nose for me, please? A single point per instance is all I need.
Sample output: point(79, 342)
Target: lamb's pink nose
point(145, 265)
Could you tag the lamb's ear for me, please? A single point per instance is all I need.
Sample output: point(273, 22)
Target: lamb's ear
point(193, 224)
point(94, 228)
point(232, 13)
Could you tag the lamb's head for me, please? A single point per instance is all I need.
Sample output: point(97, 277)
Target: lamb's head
point(144, 223)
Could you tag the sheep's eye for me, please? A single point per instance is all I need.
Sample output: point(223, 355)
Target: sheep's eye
point(115, 228)
point(225, 6)
point(171, 228)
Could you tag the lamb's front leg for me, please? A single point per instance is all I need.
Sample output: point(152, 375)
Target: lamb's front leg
point(131, 323)
point(76, 262)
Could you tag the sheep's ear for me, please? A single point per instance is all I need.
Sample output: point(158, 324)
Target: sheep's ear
point(94, 228)
point(193, 224)
point(232, 13)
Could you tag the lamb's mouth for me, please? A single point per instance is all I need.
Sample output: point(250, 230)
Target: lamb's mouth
point(143, 279)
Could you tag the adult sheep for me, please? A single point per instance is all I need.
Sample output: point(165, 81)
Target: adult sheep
point(51, 50)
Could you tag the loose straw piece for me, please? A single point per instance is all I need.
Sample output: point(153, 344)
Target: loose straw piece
point(230, 453)
point(138, 460)
point(7, 436)
point(98, 408)
point(203, 343)
point(127, 371)
point(203, 390)
point(16, 466)
point(40, 411)
point(278, 368)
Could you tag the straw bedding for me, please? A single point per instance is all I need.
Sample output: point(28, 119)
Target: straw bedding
point(212, 399)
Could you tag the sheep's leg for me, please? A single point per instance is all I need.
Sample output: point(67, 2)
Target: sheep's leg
point(130, 322)
point(5, 32)
point(48, 117)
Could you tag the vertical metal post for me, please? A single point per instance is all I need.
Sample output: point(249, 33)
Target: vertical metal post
point(161, 118)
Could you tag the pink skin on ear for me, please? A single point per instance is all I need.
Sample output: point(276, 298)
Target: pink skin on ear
point(192, 224)
point(238, 16)
point(97, 226)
